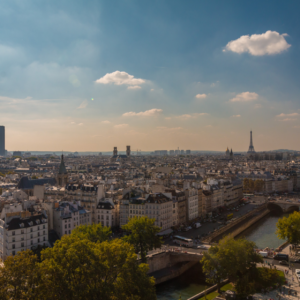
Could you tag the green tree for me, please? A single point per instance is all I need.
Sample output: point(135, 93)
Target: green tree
point(77, 268)
point(0, 191)
point(246, 184)
point(232, 259)
point(19, 277)
point(289, 228)
point(142, 235)
point(34, 177)
point(94, 233)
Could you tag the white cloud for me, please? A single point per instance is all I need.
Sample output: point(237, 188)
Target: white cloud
point(148, 113)
point(163, 128)
point(80, 124)
point(288, 119)
point(236, 116)
point(120, 78)
point(106, 122)
point(133, 87)
point(288, 115)
point(72, 123)
point(201, 96)
point(191, 116)
point(152, 90)
point(245, 97)
point(121, 126)
point(168, 118)
point(270, 42)
point(83, 104)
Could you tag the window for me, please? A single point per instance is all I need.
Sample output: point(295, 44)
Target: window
point(44, 226)
point(22, 244)
point(38, 227)
point(66, 232)
point(44, 239)
point(13, 246)
point(69, 231)
point(31, 242)
point(69, 225)
point(66, 226)
point(14, 253)
point(30, 229)
point(22, 231)
point(13, 233)
point(31, 236)
point(38, 234)
point(38, 240)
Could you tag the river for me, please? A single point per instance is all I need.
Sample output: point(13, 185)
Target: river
point(191, 283)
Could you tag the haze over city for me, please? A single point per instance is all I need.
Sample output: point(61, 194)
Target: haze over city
point(91, 75)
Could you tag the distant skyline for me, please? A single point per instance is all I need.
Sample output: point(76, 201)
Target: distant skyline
point(90, 75)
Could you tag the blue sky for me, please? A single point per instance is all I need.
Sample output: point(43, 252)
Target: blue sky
point(162, 74)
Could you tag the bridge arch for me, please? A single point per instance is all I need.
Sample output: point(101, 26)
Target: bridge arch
point(274, 207)
point(292, 208)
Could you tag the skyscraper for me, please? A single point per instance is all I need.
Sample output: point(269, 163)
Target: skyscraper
point(2, 140)
point(251, 147)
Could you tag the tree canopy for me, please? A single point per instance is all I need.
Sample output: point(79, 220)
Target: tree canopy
point(289, 228)
point(142, 235)
point(94, 233)
point(77, 268)
point(232, 259)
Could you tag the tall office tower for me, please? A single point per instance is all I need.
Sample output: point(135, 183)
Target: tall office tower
point(128, 151)
point(115, 151)
point(2, 140)
point(172, 152)
point(188, 152)
point(251, 147)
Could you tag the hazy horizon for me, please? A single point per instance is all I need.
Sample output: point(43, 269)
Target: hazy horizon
point(154, 75)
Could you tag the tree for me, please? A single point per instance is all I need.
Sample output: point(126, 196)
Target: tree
point(142, 235)
point(77, 268)
point(19, 277)
point(289, 228)
point(232, 259)
point(246, 184)
point(94, 233)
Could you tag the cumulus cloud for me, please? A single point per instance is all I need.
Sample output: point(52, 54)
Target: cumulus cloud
point(133, 87)
point(245, 97)
point(120, 78)
point(270, 42)
point(148, 113)
point(288, 119)
point(163, 128)
point(201, 96)
point(80, 124)
point(121, 126)
point(83, 104)
point(105, 122)
point(191, 116)
point(236, 116)
point(288, 115)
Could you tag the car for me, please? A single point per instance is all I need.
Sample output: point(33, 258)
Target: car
point(283, 262)
point(297, 261)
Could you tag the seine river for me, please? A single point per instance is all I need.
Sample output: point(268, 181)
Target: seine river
point(191, 283)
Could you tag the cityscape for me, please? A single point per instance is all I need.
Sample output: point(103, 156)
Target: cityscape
point(149, 150)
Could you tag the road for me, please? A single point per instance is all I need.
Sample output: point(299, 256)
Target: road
point(209, 227)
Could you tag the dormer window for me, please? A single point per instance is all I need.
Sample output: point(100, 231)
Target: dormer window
point(22, 225)
point(30, 223)
point(38, 222)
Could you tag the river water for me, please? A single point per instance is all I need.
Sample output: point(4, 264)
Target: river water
point(263, 233)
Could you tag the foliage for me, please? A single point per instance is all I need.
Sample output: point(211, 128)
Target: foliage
point(210, 296)
point(250, 185)
point(34, 177)
point(289, 228)
point(0, 191)
point(19, 277)
point(94, 233)
point(2, 175)
point(143, 235)
point(77, 268)
point(32, 158)
point(231, 259)
point(257, 280)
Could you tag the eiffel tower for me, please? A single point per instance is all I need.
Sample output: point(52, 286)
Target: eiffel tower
point(251, 147)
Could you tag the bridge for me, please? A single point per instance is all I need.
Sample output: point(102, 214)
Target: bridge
point(283, 206)
point(167, 264)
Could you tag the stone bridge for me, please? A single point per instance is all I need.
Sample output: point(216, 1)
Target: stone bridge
point(168, 259)
point(283, 206)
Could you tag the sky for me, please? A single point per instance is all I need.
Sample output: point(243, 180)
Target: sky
point(156, 75)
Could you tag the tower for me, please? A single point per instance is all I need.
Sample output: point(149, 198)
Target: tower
point(115, 151)
point(251, 147)
point(62, 176)
point(128, 151)
point(231, 154)
point(2, 140)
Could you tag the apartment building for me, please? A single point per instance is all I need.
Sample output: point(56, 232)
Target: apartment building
point(107, 213)
point(191, 196)
point(22, 230)
point(68, 215)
